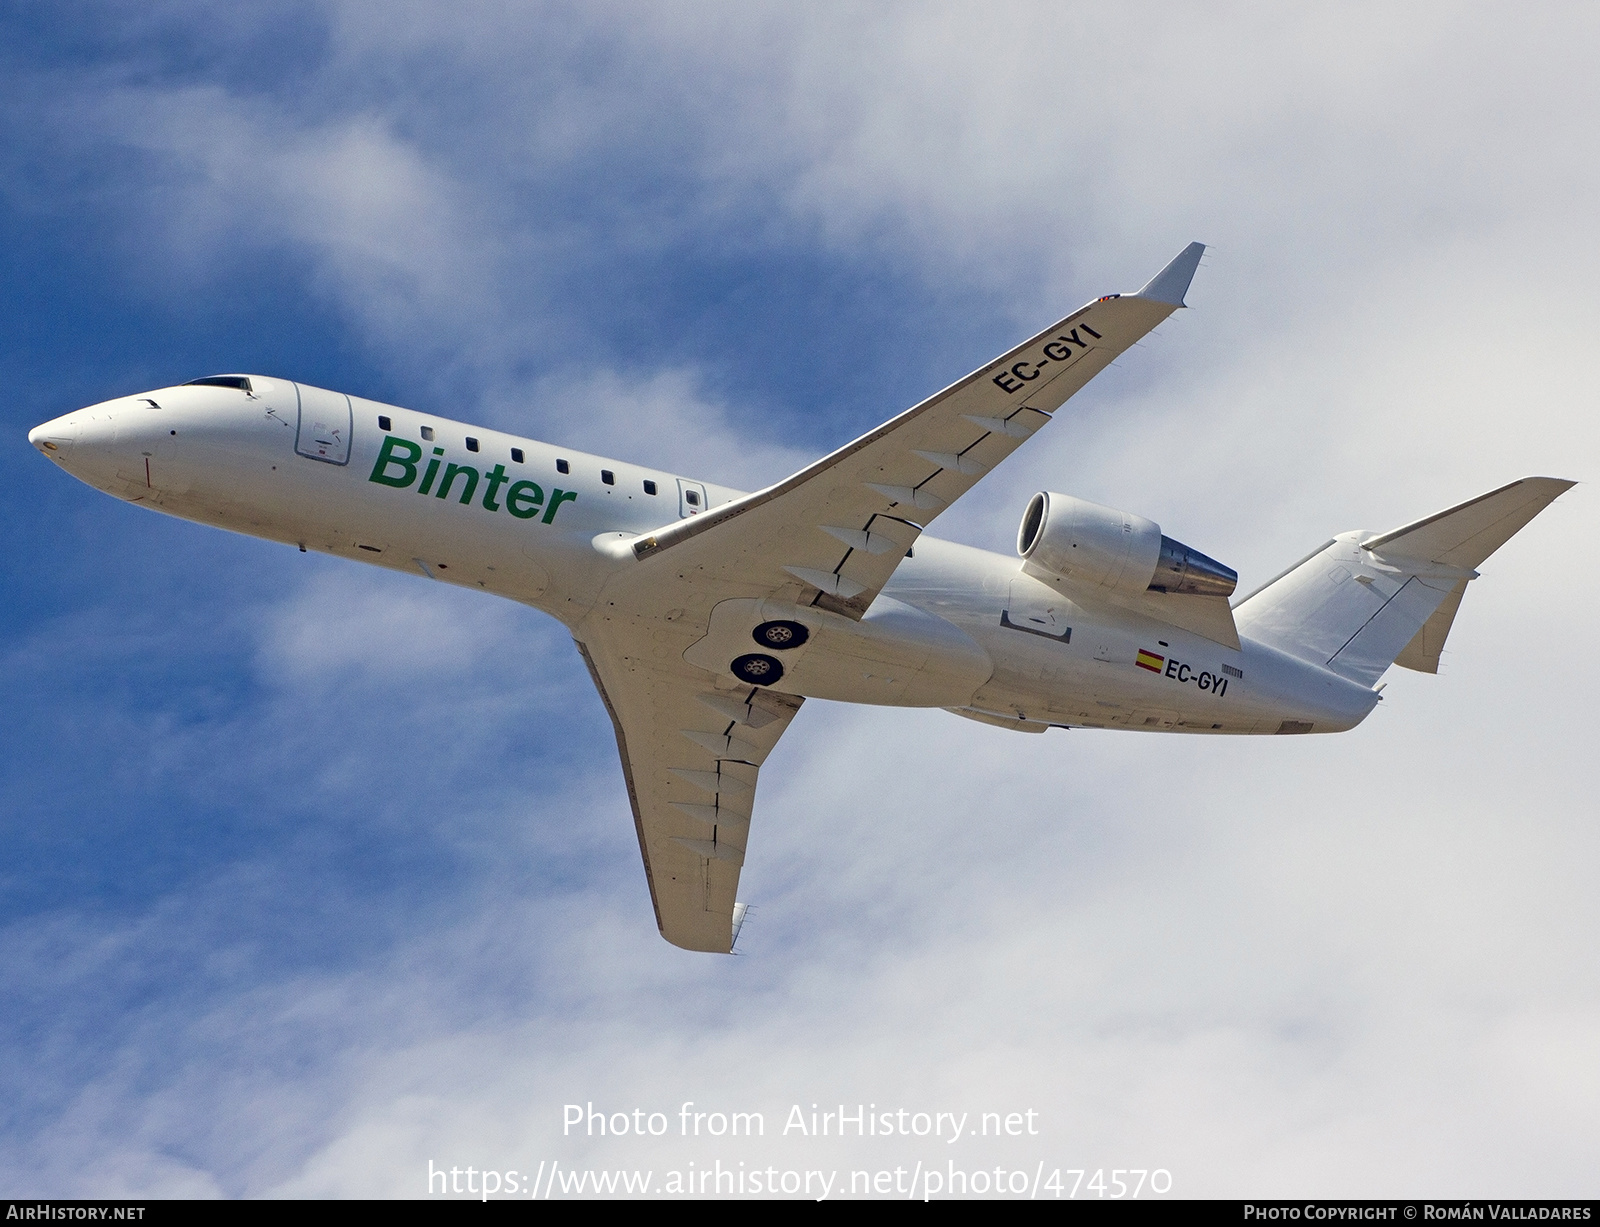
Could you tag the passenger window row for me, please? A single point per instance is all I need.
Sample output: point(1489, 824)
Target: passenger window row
point(606, 475)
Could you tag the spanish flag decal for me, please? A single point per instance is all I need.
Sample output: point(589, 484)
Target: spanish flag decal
point(1149, 660)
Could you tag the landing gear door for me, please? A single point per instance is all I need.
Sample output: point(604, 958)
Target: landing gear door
point(323, 432)
point(691, 498)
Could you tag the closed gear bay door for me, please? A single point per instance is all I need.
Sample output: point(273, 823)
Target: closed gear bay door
point(324, 429)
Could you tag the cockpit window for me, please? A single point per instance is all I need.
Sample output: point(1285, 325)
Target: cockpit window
point(241, 382)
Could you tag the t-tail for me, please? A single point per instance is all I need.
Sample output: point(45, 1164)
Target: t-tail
point(1363, 602)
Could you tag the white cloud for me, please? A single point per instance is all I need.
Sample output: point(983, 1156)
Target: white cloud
point(1352, 965)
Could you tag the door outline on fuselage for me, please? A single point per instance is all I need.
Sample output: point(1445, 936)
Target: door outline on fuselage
point(322, 430)
point(685, 505)
point(1036, 613)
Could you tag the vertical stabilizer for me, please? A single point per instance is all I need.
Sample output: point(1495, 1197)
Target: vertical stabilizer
point(1364, 602)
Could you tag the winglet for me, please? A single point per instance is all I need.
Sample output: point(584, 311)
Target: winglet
point(1172, 282)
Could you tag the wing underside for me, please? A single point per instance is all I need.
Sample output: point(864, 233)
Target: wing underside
point(691, 754)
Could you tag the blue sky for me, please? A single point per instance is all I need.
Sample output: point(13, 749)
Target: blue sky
point(313, 874)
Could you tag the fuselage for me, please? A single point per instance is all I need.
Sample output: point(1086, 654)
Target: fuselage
point(956, 627)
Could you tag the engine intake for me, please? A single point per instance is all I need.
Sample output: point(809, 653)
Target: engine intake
point(1066, 538)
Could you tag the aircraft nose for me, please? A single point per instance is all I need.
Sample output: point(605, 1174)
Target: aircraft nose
point(56, 437)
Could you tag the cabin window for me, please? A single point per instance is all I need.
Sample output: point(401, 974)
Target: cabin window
point(516, 455)
point(692, 497)
point(427, 433)
point(607, 476)
point(563, 467)
point(649, 487)
point(383, 423)
point(472, 445)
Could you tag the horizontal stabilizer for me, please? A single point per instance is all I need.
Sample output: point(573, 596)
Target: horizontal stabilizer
point(1464, 535)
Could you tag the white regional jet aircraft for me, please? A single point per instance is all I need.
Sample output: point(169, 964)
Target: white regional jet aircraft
point(707, 615)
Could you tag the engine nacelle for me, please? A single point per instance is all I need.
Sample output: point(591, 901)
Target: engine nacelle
point(1066, 538)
